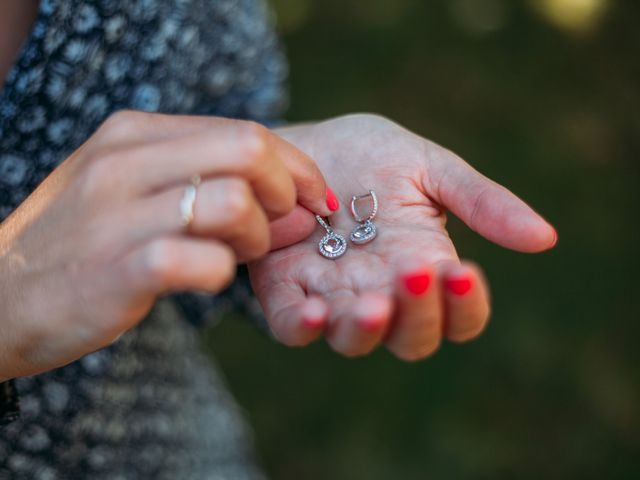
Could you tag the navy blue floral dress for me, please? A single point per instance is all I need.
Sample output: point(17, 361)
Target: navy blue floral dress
point(152, 405)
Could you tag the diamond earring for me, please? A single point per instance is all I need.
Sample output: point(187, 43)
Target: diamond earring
point(366, 231)
point(332, 245)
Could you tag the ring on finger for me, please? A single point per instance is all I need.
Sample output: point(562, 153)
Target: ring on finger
point(188, 201)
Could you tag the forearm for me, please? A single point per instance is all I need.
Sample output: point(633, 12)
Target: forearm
point(11, 334)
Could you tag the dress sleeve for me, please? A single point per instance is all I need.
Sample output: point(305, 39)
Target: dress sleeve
point(204, 310)
point(9, 407)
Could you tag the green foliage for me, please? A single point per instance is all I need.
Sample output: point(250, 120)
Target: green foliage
point(552, 390)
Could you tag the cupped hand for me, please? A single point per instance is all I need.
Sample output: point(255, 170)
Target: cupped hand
point(407, 288)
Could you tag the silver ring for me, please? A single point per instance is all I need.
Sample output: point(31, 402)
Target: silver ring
point(188, 201)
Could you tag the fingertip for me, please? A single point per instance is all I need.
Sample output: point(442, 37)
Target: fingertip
point(371, 324)
point(467, 302)
point(539, 237)
point(523, 229)
point(310, 184)
point(461, 279)
point(314, 313)
point(333, 204)
point(555, 237)
point(459, 285)
point(415, 278)
point(373, 312)
point(358, 323)
point(414, 356)
point(416, 282)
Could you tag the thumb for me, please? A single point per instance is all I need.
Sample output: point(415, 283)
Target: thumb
point(292, 228)
point(485, 206)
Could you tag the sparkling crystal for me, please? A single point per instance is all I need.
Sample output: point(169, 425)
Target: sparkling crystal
point(332, 245)
point(363, 233)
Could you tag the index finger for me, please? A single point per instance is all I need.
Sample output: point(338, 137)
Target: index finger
point(131, 128)
point(311, 186)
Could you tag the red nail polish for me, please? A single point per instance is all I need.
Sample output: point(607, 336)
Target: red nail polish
point(459, 286)
point(313, 322)
point(370, 324)
point(417, 283)
point(332, 200)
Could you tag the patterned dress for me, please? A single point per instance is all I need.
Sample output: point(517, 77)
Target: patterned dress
point(152, 405)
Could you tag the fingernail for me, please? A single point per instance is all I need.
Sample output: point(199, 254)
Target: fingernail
point(555, 238)
point(370, 324)
point(459, 286)
point(417, 283)
point(313, 322)
point(332, 200)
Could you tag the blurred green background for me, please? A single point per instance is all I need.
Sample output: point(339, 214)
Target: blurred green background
point(544, 97)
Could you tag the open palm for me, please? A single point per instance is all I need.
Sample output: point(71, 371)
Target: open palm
point(406, 288)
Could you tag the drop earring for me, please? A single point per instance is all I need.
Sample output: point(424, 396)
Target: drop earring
point(332, 245)
point(366, 231)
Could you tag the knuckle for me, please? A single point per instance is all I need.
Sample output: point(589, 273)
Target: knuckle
point(253, 141)
point(238, 200)
point(311, 180)
point(120, 122)
point(93, 177)
point(367, 119)
point(160, 262)
point(102, 172)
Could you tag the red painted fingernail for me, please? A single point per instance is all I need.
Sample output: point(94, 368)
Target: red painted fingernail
point(417, 283)
point(555, 239)
point(332, 200)
point(370, 324)
point(459, 286)
point(312, 322)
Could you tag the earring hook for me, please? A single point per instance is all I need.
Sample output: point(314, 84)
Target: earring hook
point(374, 210)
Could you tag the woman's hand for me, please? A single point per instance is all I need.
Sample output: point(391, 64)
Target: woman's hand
point(85, 256)
point(407, 288)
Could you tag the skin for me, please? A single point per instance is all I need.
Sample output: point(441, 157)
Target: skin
point(60, 300)
point(361, 299)
point(254, 205)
